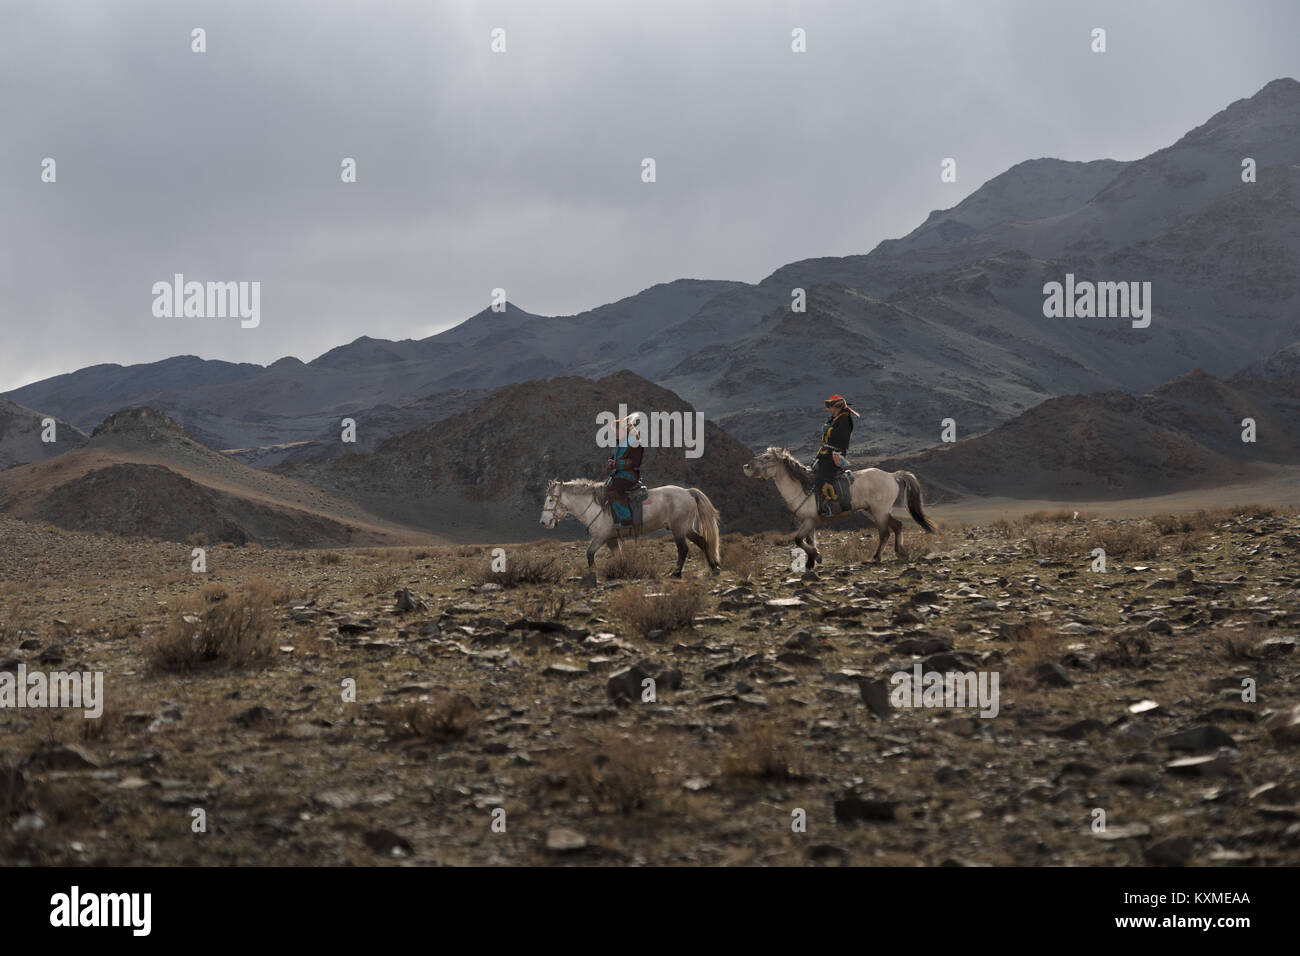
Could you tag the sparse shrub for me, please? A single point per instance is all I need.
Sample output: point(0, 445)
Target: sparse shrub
point(101, 728)
point(385, 582)
point(1239, 644)
point(198, 539)
point(16, 620)
point(329, 557)
point(212, 593)
point(1125, 650)
point(632, 563)
point(763, 751)
point(446, 717)
point(1049, 545)
point(743, 555)
point(1002, 528)
point(858, 548)
point(616, 772)
point(233, 633)
point(1190, 543)
point(1034, 643)
point(121, 630)
point(1172, 524)
point(669, 609)
point(545, 607)
point(1046, 517)
point(521, 569)
point(1124, 541)
point(1204, 521)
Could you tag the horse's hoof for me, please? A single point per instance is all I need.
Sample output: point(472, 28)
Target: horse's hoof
point(676, 574)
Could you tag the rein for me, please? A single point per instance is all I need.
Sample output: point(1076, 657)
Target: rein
point(794, 509)
point(585, 521)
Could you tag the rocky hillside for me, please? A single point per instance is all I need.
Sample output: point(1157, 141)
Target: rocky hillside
point(20, 436)
point(140, 473)
point(1185, 434)
point(483, 473)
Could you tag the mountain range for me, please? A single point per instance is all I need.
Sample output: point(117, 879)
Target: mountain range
point(946, 322)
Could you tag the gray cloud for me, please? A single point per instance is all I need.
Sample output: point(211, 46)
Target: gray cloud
point(523, 170)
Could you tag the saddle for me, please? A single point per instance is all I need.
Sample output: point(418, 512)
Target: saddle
point(636, 496)
point(841, 487)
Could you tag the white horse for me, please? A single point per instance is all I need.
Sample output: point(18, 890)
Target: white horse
point(667, 506)
point(874, 491)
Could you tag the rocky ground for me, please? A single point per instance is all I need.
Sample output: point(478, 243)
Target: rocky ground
point(501, 718)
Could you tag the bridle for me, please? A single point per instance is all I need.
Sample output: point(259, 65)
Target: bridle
point(794, 508)
point(554, 506)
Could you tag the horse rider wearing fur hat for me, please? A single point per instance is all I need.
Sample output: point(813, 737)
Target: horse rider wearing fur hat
point(624, 468)
point(831, 456)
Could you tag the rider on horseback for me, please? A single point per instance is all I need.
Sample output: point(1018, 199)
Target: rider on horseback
point(830, 457)
point(624, 468)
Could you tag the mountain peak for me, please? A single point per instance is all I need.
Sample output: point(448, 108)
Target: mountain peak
point(142, 421)
point(1271, 116)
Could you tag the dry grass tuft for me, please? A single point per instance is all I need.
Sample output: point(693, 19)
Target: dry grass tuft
point(745, 555)
point(1125, 651)
point(235, 632)
point(1239, 644)
point(1048, 545)
point(1133, 540)
point(761, 750)
point(522, 568)
point(670, 609)
point(616, 772)
point(446, 717)
point(632, 563)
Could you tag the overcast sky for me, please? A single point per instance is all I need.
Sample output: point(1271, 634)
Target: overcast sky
point(522, 170)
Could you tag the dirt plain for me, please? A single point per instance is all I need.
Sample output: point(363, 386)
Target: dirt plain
point(496, 720)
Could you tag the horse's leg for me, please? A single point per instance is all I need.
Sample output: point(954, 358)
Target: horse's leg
point(615, 545)
point(896, 526)
point(592, 548)
point(804, 539)
point(698, 540)
point(882, 527)
point(682, 552)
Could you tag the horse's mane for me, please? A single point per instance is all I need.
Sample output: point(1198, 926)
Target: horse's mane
point(597, 488)
point(793, 467)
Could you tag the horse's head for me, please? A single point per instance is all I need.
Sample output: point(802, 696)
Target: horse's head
point(553, 509)
point(763, 466)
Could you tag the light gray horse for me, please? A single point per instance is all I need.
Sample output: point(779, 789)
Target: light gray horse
point(874, 491)
point(668, 506)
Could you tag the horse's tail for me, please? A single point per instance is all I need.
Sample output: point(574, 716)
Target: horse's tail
point(911, 488)
point(708, 524)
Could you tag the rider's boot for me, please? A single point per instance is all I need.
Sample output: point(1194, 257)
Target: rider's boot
point(826, 507)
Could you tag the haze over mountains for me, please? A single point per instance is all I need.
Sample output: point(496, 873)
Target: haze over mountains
point(946, 322)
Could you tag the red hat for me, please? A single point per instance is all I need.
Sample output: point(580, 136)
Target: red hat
point(833, 399)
